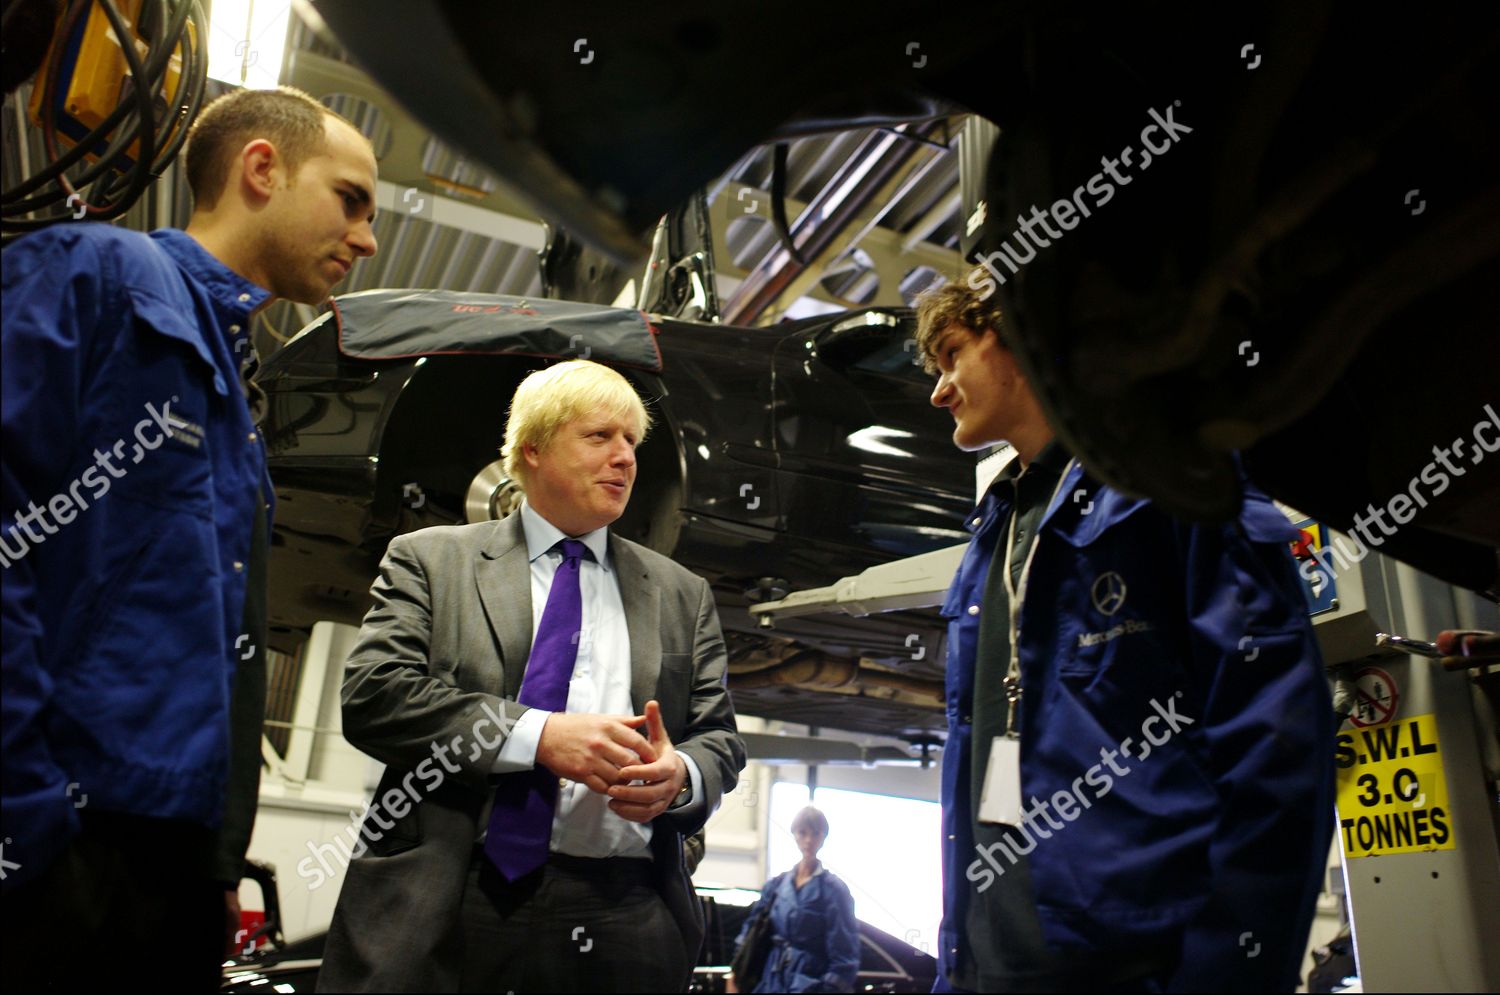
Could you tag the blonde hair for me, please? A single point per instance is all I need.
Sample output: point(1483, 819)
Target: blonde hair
point(548, 399)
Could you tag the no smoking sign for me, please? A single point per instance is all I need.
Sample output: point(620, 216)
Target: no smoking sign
point(1375, 698)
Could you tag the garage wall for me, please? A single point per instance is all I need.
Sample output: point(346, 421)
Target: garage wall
point(735, 840)
point(310, 803)
point(738, 832)
point(288, 835)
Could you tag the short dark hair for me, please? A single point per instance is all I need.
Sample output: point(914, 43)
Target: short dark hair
point(813, 819)
point(289, 118)
point(959, 303)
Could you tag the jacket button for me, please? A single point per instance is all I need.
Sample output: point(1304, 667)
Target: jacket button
point(244, 298)
point(234, 329)
point(973, 609)
point(966, 719)
point(952, 836)
point(252, 436)
point(975, 522)
point(238, 566)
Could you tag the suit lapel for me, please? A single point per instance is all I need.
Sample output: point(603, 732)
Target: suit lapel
point(503, 575)
point(642, 603)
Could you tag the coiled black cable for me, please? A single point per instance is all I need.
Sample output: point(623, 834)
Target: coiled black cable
point(112, 185)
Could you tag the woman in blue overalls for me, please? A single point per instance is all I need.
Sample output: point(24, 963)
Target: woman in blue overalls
point(816, 937)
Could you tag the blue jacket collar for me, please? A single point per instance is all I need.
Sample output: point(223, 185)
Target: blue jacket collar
point(230, 291)
point(1054, 458)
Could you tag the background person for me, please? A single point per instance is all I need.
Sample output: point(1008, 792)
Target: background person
point(815, 945)
point(135, 513)
point(1172, 729)
point(550, 856)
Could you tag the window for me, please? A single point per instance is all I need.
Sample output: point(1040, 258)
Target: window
point(887, 850)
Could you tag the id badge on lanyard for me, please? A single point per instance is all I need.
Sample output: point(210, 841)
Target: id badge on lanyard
point(1000, 797)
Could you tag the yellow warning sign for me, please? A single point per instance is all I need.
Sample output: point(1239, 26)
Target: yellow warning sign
point(1391, 793)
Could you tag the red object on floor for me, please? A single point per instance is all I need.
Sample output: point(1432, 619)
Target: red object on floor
point(250, 921)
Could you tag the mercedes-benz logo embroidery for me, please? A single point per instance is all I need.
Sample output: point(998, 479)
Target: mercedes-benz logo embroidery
point(1109, 592)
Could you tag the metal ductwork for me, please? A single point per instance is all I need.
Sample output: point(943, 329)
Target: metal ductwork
point(885, 164)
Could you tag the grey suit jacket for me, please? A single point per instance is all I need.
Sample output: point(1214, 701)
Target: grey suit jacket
point(439, 658)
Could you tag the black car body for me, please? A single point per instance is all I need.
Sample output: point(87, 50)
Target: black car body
point(1301, 289)
point(782, 458)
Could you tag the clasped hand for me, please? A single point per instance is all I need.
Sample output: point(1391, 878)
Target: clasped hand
point(608, 752)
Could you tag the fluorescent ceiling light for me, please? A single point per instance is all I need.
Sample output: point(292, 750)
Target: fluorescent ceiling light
point(247, 41)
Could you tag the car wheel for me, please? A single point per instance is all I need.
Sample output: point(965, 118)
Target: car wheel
point(492, 494)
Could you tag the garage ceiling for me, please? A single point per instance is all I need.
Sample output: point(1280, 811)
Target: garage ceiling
point(445, 223)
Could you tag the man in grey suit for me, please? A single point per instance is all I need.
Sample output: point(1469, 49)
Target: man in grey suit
point(549, 702)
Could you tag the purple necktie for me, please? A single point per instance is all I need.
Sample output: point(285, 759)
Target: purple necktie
point(521, 822)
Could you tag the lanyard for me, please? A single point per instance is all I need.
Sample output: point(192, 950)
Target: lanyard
point(1016, 592)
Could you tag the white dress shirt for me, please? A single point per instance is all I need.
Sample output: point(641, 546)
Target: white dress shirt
point(583, 825)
